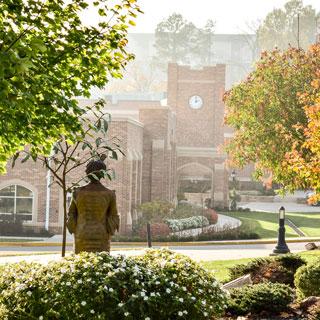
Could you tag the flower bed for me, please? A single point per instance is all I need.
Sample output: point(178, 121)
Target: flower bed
point(187, 223)
point(161, 285)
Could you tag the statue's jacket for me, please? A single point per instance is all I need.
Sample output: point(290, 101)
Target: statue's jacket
point(93, 217)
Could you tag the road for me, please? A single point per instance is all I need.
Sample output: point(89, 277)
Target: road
point(198, 253)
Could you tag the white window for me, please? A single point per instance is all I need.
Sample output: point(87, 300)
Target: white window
point(16, 203)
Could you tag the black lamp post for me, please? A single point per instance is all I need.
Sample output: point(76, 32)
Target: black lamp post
point(233, 204)
point(281, 247)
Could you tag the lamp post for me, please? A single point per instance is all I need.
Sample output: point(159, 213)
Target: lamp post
point(233, 204)
point(281, 247)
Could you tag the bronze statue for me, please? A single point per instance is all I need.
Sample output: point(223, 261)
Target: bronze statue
point(93, 216)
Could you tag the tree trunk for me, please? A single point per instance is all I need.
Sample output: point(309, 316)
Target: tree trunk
point(64, 230)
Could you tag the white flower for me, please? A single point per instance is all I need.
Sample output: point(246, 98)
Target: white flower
point(63, 270)
point(168, 290)
point(120, 304)
point(126, 314)
point(92, 311)
point(185, 311)
point(136, 281)
point(203, 302)
point(147, 318)
point(174, 276)
point(29, 293)
point(68, 283)
point(110, 290)
point(157, 282)
point(184, 288)
point(145, 298)
point(142, 294)
point(180, 313)
point(79, 281)
point(83, 303)
point(193, 298)
point(205, 314)
point(181, 299)
point(41, 318)
point(152, 294)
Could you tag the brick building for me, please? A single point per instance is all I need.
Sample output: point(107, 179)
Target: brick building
point(166, 142)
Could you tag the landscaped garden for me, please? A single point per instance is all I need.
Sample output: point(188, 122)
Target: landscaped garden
point(161, 285)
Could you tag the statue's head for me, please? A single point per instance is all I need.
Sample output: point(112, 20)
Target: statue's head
point(95, 167)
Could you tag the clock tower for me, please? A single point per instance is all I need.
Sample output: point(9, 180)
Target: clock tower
point(195, 96)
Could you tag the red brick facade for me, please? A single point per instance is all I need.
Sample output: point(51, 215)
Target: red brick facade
point(163, 143)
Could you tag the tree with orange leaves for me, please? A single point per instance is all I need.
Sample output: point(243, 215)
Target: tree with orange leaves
point(302, 163)
point(270, 112)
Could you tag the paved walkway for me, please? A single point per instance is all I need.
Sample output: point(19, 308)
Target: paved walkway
point(198, 253)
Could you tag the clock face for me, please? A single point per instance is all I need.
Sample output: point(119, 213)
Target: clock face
point(195, 102)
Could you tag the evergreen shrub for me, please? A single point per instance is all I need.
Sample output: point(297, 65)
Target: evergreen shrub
point(100, 286)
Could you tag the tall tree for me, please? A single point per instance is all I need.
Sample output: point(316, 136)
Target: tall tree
point(265, 110)
point(294, 25)
point(178, 40)
point(48, 56)
point(302, 163)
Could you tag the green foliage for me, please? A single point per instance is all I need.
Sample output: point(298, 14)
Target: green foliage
point(265, 111)
point(280, 27)
point(307, 280)
point(207, 300)
point(180, 41)
point(155, 210)
point(280, 269)
point(186, 210)
point(47, 58)
point(267, 297)
point(99, 286)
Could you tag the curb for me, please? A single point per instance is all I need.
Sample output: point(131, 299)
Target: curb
point(163, 244)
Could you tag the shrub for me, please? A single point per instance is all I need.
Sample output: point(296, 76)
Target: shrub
point(211, 215)
point(279, 269)
point(158, 230)
point(307, 280)
point(203, 290)
point(99, 286)
point(268, 297)
point(187, 223)
point(186, 210)
point(227, 234)
point(155, 210)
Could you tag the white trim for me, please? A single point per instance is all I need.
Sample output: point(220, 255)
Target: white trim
point(199, 152)
point(119, 118)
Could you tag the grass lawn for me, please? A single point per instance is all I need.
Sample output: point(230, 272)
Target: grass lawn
point(220, 268)
point(309, 223)
point(265, 224)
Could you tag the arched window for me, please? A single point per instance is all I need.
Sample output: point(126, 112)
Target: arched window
point(16, 203)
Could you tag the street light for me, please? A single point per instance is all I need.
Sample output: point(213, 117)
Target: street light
point(281, 247)
point(233, 204)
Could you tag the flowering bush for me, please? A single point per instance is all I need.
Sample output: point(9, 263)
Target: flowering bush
point(187, 223)
point(158, 230)
point(187, 282)
point(99, 286)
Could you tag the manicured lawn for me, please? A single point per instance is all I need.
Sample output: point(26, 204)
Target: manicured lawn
point(265, 224)
point(309, 223)
point(220, 268)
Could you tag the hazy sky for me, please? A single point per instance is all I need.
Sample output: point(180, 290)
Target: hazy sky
point(231, 16)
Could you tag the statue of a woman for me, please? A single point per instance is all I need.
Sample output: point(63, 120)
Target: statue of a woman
point(93, 216)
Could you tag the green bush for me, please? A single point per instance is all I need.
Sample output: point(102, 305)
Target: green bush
point(205, 295)
point(279, 269)
point(307, 280)
point(268, 297)
point(99, 286)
